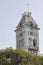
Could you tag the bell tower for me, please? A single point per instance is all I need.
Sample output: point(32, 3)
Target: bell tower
point(27, 34)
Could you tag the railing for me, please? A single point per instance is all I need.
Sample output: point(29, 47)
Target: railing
point(33, 48)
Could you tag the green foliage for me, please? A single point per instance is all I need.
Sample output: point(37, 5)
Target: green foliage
point(31, 33)
point(18, 57)
point(21, 34)
point(41, 59)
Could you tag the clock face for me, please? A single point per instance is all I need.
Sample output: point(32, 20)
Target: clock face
point(31, 33)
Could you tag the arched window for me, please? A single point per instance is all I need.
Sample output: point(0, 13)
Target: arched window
point(31, 24)
point(34, 43)
point(30, 42)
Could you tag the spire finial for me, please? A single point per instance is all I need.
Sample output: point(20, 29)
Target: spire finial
point(27, 6)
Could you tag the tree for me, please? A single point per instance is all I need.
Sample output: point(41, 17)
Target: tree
point(10, 56)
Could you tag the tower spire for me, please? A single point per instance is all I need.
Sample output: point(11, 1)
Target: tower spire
point(27, 6)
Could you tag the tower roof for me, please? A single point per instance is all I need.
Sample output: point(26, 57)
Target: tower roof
point(28, 19)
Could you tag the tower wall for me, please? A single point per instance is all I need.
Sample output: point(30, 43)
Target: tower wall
point(27, 34)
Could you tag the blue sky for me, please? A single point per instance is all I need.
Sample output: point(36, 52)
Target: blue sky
point(10, 15)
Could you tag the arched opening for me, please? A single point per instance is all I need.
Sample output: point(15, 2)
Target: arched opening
point(34, 43)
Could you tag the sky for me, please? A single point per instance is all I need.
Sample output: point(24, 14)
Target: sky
point(10, 15)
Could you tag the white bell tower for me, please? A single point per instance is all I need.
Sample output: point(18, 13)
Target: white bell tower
point(27, 34)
